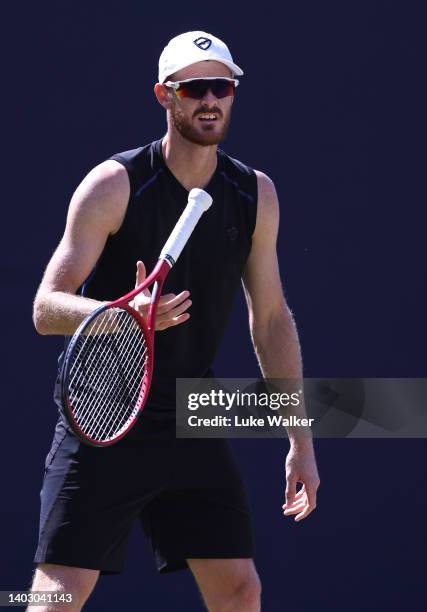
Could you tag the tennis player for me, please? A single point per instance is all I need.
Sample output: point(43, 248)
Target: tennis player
point(186, 493)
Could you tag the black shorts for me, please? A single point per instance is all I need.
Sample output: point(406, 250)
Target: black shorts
point(186, 493)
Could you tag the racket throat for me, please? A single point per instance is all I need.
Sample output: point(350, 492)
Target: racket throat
point(155, 295)
point(159, 275)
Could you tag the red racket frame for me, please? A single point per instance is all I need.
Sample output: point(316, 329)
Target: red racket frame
point(157, 276)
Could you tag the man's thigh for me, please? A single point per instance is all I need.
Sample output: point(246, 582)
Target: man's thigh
point(90, 499)
point(204, 513)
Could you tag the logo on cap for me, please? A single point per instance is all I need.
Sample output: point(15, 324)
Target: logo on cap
point(203, 43)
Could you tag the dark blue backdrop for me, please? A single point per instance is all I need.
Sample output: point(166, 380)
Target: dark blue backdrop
point(329, 108)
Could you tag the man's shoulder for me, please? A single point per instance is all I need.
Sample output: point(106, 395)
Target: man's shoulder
point(239, 174)
point(133, 156)
point(142, 164)
point(234, 164)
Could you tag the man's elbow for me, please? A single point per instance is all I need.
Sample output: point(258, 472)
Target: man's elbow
point(39, 316)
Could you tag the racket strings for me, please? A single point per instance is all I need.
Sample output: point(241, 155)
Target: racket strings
point(106, 373)
point(97, 327)
point(109, 417)
point(86, 372)
point(112, 402)
point(120, 392)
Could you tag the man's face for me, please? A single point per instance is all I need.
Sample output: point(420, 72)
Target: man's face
point(186, 113)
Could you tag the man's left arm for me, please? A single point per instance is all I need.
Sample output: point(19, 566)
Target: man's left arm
point(276, 343)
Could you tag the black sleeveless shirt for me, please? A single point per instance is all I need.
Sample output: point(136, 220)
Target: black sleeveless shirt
point(210, 266)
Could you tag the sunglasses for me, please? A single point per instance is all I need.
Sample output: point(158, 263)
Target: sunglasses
point(197, 88)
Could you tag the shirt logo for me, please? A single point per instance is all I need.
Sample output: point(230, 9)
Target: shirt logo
point(203, 43)
point(233, 233)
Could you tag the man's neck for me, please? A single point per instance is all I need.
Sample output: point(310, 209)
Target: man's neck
point(193, 165)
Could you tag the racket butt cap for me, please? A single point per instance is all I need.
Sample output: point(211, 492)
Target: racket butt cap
point(202, 198)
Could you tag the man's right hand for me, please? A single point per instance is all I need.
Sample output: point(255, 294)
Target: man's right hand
point(171, 309)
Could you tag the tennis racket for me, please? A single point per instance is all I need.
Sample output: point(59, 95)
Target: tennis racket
point(108, 364)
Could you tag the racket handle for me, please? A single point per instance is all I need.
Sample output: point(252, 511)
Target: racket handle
point(198, 202)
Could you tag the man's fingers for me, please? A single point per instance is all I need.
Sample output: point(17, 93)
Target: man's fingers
point(295, 509)
point(297, 497)
point(303, 506)
point(171, 301)
point(311, 495)
point(171, 322)
point(141, 275)
point(291, 487)
point(165, 297)
point(302, 515)
point(170, 308)
point(172, 314)
point(296, 502)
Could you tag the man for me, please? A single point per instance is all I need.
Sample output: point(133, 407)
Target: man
point(186, 493)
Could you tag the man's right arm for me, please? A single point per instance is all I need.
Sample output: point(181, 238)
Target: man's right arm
point(96, 211)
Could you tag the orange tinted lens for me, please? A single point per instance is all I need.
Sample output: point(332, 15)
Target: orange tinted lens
point(198, 88)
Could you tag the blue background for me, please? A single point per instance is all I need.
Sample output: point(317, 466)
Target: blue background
point(329, 108)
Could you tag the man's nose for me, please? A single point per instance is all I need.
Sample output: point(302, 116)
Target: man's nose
point(209, 97)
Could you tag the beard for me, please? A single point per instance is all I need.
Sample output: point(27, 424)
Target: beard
point(208, 134)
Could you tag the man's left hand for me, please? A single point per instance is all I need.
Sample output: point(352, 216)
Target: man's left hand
point(301, 467)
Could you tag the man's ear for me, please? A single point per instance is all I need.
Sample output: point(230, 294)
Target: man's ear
point(163, 95)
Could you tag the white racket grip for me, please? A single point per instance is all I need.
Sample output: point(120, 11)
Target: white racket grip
point(198, 202)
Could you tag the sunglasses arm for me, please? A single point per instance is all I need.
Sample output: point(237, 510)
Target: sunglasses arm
point(177, 84)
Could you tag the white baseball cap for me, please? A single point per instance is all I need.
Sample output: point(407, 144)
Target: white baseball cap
point(192, 47)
